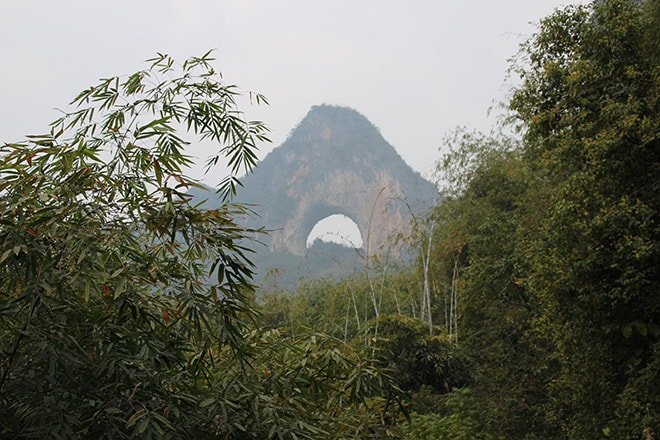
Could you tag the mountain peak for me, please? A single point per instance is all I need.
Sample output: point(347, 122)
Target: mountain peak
point(329, 127)
point(334, 162)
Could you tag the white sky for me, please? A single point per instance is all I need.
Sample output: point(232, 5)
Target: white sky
point(415, 68)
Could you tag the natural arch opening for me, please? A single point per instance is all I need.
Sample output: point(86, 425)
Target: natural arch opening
point(336, 228)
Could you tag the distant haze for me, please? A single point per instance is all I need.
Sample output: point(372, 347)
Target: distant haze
point(415, 69)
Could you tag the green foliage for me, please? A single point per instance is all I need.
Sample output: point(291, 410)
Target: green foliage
point(456, 419)
point(414, 357)
point(591, 105)
point(341, 307)
point(312, 386)
point(399, 346)
point(556, 237)
point(110, 321)
point(481, 242)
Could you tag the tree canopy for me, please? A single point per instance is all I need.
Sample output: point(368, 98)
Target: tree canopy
point(558, 233)
point(109, 316)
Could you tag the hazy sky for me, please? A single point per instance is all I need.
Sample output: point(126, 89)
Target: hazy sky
point(415, 68)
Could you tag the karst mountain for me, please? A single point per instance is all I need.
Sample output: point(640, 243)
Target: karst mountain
point(334, 162)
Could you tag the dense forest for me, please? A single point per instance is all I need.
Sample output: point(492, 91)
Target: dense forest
point(127, 310)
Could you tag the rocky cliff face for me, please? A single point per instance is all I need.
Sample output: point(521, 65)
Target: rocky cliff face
point(334, 162)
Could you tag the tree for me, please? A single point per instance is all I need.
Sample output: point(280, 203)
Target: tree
point(590, 109)
point(312, 386)
point(118, 294)
point(416, 358)
point(480, 246)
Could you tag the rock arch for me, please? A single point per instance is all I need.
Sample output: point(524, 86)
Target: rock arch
point(377, 210)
